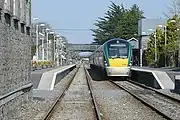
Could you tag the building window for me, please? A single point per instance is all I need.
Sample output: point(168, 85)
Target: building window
point(22, 28)
point(16, 24)
point(7, 19)
point(28, 30)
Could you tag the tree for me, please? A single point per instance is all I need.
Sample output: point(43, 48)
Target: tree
point(106, 26)
point(117, 22)
point(171, 48)
point(172, 41)
point(150, 53)
point(130, 22)
point(174, 9)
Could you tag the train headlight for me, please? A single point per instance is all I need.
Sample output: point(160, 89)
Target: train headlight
point(105, 63)
point(130, 64)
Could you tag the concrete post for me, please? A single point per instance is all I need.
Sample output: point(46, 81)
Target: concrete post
point(61, 51)
point(55, 41)
point(165, 31)
point(57, 51)
point(43, 47)
point(155, 47)
point(37, 42)
point(178, 46)
point(47, 34)
point(140, 43)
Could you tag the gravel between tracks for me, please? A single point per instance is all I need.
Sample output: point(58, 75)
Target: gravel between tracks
point(35, 109)
point(116, 104)
point(169, 108)
point(163, 104)
point(171, 93)
point(76, 104)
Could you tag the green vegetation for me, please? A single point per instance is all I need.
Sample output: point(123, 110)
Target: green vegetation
point(118, 22)
point(171, 48)
point(42, 64)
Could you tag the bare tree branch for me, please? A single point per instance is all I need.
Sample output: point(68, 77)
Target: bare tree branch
point(174, 9)
point(166, 15)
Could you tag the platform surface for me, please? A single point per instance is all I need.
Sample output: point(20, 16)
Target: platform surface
point(36, 75)
point(42, 79)
point(48, 78)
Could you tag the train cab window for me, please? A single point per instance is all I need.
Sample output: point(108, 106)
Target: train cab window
point(118, 51)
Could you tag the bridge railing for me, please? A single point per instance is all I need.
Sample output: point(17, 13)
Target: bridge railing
point(82, 47)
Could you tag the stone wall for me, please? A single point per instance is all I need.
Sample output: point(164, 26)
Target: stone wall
point(15, 57)
point(12, 109)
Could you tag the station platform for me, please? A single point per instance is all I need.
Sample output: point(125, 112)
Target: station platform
point(164, 77)
point(45, 79)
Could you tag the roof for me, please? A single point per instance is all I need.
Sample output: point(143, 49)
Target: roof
point(115, 39)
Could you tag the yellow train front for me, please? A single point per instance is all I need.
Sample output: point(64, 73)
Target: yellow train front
point(113, 57)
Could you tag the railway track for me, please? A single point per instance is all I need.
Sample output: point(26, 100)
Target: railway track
point(96, 108)
point(54, 108)
point(113, 103)
point(49, 113)
point(165, 105)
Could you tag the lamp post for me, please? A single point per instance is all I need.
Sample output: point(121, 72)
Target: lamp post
point(165, 42)
point(177, 24)
point(43, 35)
point(37, 38)
point(155, 44)
point(42, 46)
point(57, 49)
point(60, 43)
point(47, 42)
point(61, 51)
point(53, 46)
point(165, 39)
point(141, 48)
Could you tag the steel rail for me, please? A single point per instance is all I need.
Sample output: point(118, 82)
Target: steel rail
point(142, 100)
point(149, 88)
point(96, 108)
point(51, 109)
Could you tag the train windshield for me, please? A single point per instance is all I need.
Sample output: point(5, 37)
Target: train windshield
point(118, 51)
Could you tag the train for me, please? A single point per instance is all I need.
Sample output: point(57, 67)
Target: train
point(114, 57)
